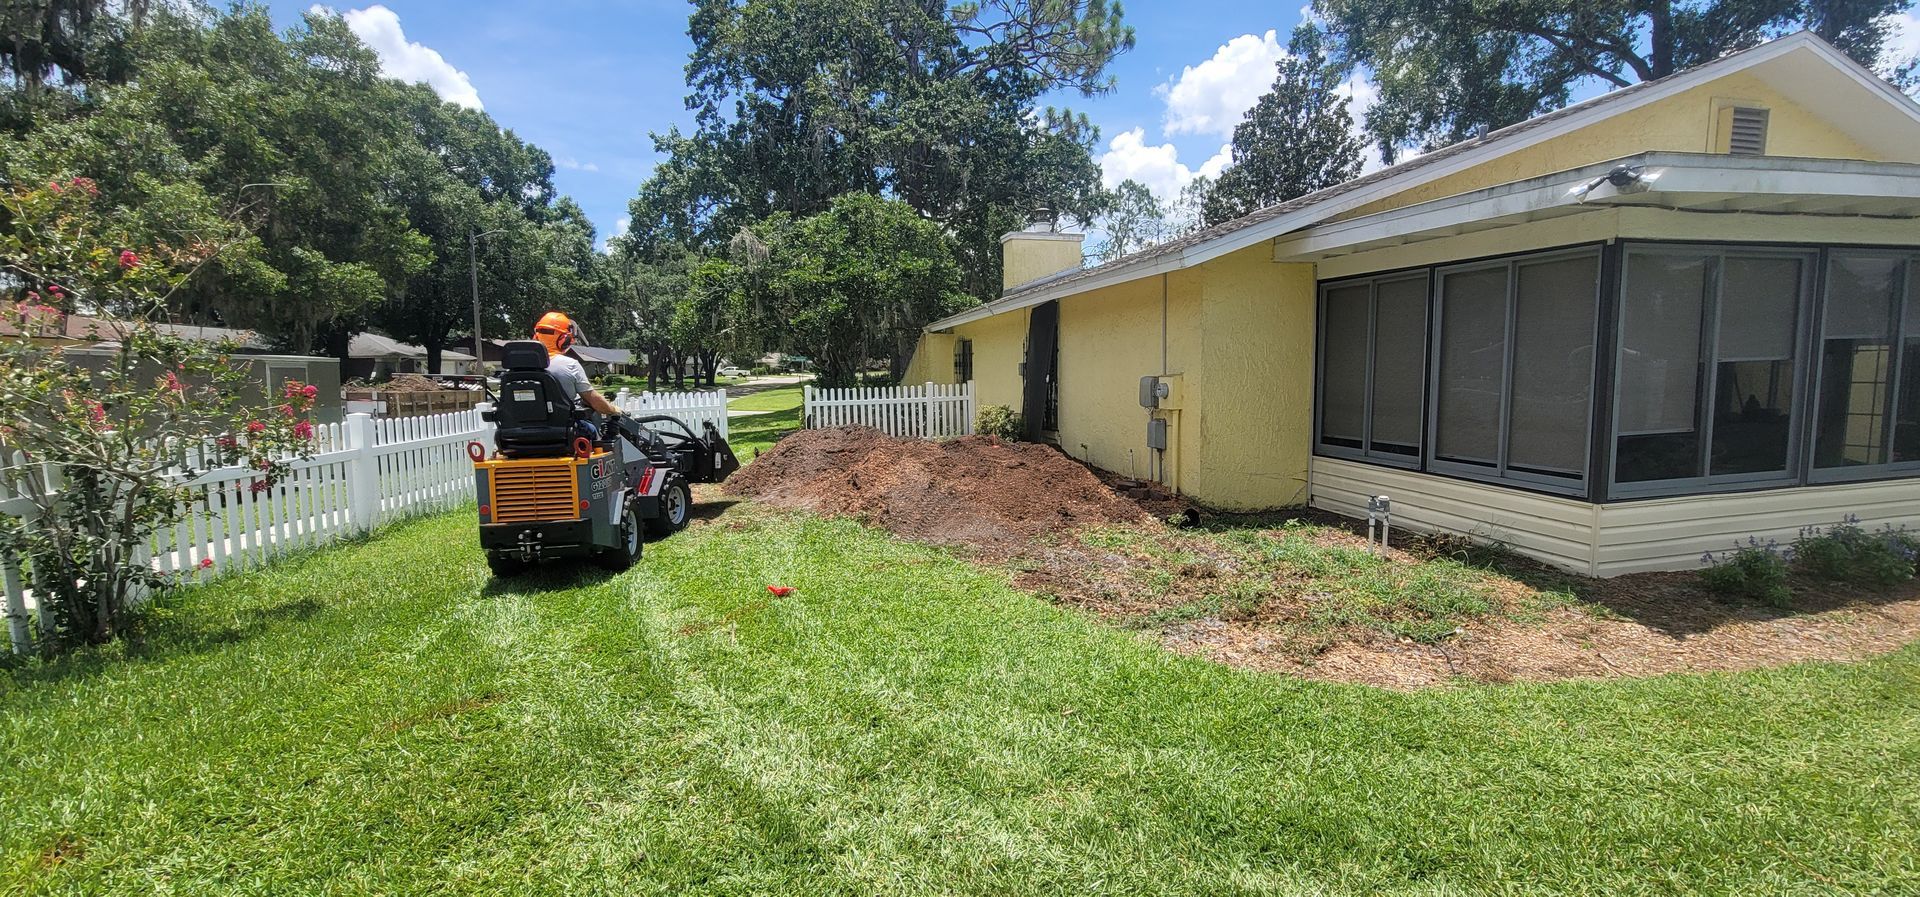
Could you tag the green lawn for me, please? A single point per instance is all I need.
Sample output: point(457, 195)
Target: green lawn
point(778, 413)
point(778, 399)
point(382, 719)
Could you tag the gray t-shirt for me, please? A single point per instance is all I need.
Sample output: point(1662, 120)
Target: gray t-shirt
point(572, 377)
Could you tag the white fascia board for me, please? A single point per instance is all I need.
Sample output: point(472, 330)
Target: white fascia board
point(1147, 268)
point(1674, 178)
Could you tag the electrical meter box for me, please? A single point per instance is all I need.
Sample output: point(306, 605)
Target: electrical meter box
point(1157, 434)
point(1152, 390)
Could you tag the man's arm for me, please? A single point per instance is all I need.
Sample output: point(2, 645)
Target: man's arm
point(599, 403)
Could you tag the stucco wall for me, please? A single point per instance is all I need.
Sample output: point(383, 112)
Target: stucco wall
point(1239, 361)
point(932, 360)
point(1257, 339)
point(1681, 123)
point(999, 344)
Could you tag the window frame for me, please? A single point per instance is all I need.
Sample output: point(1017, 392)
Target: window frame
point(962, 359)
point(1902, 330)
point(1706, 388)
point(1501, 471)
point(1366, 451)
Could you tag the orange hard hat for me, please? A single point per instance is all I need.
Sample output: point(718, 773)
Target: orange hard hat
point(555, 331)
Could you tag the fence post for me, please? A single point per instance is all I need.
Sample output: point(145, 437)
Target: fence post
point(363, 472)
point(806, 407)
point(620, 400)
point(17, 631)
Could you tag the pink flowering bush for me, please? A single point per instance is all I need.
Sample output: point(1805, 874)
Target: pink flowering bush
point(109, 440)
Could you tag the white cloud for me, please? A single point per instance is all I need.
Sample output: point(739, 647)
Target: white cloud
point(1362, 94)
point(1211, 98)
point(572, 164)
point(1128, 157)
point(621, 225)
point(408, 60)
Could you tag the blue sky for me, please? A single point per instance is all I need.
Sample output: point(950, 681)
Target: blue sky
point(588, 81)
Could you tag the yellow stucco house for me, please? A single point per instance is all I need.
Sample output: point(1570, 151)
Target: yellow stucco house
point(1615, 336)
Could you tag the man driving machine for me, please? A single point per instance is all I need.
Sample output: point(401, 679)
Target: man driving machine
point(558, 333)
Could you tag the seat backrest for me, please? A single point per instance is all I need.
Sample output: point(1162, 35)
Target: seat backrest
point(535, 414)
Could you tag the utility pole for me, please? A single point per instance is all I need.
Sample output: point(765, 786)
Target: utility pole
point(473, 274)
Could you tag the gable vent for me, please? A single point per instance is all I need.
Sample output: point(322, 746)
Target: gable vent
point(1749, 134)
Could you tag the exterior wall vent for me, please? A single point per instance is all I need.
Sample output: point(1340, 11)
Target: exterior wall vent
point(1748, 133)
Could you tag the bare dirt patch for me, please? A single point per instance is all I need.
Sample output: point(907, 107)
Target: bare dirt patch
point(1302, 594)
point(974, 491)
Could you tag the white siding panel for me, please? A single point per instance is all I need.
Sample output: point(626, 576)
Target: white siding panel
point(1672, 533)
point(1556, 530)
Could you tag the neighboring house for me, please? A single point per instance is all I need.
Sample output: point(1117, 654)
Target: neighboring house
point(93, 343)
point(371, 356)
point(1614, 336)
point(599, 360)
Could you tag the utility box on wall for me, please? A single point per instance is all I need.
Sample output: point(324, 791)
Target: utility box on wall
point(1157, 434)
point(1151, 391)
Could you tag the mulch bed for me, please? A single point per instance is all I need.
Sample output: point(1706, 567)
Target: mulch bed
point(1019, 506)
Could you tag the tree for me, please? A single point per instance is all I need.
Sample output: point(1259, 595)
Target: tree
point(1296, 139)
point(849, 284)
point(799, 101)
point(1450, 69)
point(1133, 221)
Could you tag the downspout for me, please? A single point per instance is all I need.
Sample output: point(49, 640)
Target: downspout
point(1161, 454)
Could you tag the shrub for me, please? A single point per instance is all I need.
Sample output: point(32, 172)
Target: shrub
point(998, 421)
point(1847, 553)
point(114, 445)
point(1755, 570)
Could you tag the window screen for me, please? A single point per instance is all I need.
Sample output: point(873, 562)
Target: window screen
point(1472, 375)
point(1754, 371)
point(1708, 366)
point(1553, 365)
point(1906, 419)
point(962, 360)
point(1343, 367)
point(1660, 366)
point(1857, 360)
point(1399, 365)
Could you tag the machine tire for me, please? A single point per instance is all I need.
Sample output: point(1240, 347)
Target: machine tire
point(627, 552)
point(676, 507)
point(505, 565)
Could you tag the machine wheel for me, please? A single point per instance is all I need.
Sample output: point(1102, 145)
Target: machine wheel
point(626, 552)
point(505, 565)
point(676, 507)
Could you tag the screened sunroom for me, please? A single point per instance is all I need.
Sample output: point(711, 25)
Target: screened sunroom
point(1641, 375)
point(1632, 370)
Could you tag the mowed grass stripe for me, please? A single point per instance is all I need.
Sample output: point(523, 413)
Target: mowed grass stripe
point(382, 719)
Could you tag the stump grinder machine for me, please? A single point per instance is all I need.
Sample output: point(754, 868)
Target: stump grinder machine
point(548, 491)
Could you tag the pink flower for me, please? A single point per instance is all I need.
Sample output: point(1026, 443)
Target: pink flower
point(33, 296)
point(55, 187)
point(129, 259)
point(206, 563)
point(254, 426)
point(172, 381)
point(97, 412)
point(226, 442)
point(310, 391)
point(85, 184)
point(286, 410)
point(259, 486)
point(303, 429)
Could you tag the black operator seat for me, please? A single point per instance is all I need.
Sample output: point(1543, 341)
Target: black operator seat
point(535, 416)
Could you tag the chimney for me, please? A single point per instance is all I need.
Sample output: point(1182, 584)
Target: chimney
point(1038, 251)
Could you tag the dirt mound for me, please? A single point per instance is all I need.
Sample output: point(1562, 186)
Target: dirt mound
point(975, 490)
point(411, 383)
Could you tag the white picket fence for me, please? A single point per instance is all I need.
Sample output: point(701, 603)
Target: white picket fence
point(692, 408)
point(364, 471)
point(930, 411)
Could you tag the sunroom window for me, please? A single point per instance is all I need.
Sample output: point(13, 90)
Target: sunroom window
point(1707, 370)
point(1373, 367)
point(1869, 379)
point(1513, 384)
